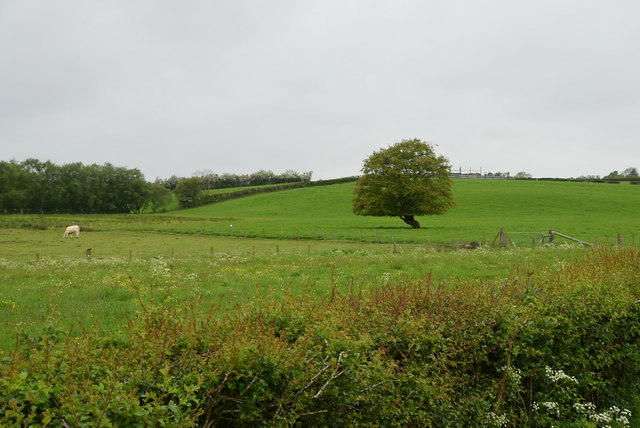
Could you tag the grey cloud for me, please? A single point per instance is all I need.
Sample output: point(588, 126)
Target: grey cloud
point(549, 87)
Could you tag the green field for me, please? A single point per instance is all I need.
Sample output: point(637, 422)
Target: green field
point(592, 212)
point(291, 239)
point(228, 257)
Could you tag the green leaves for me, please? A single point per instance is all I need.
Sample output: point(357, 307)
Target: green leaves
point(406, 179)
point(188, 192)
point(45, 187)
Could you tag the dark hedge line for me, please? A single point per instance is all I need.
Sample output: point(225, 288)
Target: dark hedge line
point(211, 180)
point(558, 347)
point(241, 193)
point(333, 181)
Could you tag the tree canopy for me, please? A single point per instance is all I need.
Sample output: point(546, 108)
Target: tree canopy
point(44, 187)
point(158, 196)
point(188, 192)
point(406, 179)
point(630, 172)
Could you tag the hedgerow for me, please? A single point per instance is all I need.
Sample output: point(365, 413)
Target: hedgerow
point(556, 347)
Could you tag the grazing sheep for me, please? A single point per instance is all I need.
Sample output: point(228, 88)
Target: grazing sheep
point(72, 229)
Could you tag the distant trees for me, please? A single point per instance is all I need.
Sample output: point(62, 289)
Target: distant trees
point(159, 196)
point(499, 174)
point(211, 180)
point(630, 172)
point(188, 192)
point(405, 180)
point(522, 175)
point(33, 186)
point(44, 187)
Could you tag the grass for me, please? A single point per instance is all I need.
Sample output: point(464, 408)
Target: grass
point(593, 212)
point(588, 211)
point(224, 190)
point(301, 240)
point(108, 290)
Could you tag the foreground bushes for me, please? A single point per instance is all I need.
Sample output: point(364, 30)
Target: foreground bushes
point(560, 346)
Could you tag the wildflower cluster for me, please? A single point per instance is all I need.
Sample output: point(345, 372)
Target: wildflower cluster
point(551, 407)
point(514, 373)
point(558, 405)
point(614, 415)
point(497, 420)
point(558, 375)
point(160, 269)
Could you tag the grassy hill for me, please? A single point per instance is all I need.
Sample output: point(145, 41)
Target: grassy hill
point(589, 211)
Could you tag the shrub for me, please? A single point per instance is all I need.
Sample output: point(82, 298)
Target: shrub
point(542, 348)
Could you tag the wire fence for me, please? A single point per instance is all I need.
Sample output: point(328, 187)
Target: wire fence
point(532, 239)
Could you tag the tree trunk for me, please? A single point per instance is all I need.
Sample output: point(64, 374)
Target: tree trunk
point(410, 221)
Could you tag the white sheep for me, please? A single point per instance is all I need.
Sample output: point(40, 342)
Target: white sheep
point(72, 229)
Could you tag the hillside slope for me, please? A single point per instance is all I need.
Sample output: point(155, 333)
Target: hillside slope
point(590, 211)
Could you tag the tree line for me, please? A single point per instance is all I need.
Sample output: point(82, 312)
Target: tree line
point(629, 173)
point(33, 186)
point(211, 180)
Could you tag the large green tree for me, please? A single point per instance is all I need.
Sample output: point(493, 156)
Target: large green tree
point(406, 180)
point(188, 192)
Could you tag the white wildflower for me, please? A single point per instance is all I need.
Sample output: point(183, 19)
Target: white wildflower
point(551, 406)
point(497, 420)
point(585, 407)
point(558, 375)
point(514, 373)
point(601, 417)
point(614, 414)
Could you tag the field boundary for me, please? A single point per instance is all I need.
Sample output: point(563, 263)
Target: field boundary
point(503, 238)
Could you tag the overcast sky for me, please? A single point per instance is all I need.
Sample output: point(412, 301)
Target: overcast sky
point(550, 87)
